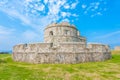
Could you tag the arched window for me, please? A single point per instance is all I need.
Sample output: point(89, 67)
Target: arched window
point(51, 33)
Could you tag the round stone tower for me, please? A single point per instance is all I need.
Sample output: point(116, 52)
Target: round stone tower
point(62, 32)
point(63, 44)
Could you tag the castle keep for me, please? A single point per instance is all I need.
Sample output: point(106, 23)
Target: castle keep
point(62, 44)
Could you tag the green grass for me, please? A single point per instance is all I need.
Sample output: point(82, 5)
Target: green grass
point(107, 70)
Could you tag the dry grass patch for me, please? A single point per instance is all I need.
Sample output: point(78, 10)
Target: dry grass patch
point(107, 70)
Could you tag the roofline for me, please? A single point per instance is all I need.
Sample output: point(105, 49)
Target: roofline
point(97, 44)
point(71, 26)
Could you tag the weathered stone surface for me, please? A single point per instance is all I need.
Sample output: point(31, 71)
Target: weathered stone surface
point(117, 48)
point(63, 44)
point(61, 57)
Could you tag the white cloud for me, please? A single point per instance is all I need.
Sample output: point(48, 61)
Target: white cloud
point(28, 0)
point(39, 7)
point(17, 15)
point(6, 31)
point(67, 6)
point(30, 35)
point(75, 15)
point(45, 1)
point(6, 37)
point(66, 14)
point(99, 13)
point(97, 3)
point(54, 6)
point(65, 20)
point(84, 6)
point(73, 5)
point(31, 12)
point(94, 8)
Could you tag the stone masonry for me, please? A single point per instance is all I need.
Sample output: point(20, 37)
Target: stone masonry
point(62, 44)
point(117, 48)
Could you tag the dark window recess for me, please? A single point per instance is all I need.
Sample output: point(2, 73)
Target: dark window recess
point(51, 33)
point(25, 45)
point(67, 32)
point(51, 45)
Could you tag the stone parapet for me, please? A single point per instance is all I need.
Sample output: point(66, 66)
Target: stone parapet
point(117, 48)
point(65, 52)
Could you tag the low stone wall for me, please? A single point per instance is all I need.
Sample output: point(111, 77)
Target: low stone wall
point(50, 48)
point(64, 58)
point(117, 48)
point(63, 53)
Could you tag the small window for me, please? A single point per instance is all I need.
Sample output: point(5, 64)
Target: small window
point(51, 33)
point(67, 32)
point(51, 44)
point(25, 45)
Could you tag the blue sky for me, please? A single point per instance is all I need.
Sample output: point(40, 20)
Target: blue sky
point(23, 21)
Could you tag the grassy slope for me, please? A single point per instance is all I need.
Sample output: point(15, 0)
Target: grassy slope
point(108, 70)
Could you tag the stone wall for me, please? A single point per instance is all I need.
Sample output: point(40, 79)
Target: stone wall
point(50, 48)
point(62, 53)
point(62, 32)
point(61, 57)
point(95, 47)
point(63, 44)
point(117, 48)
